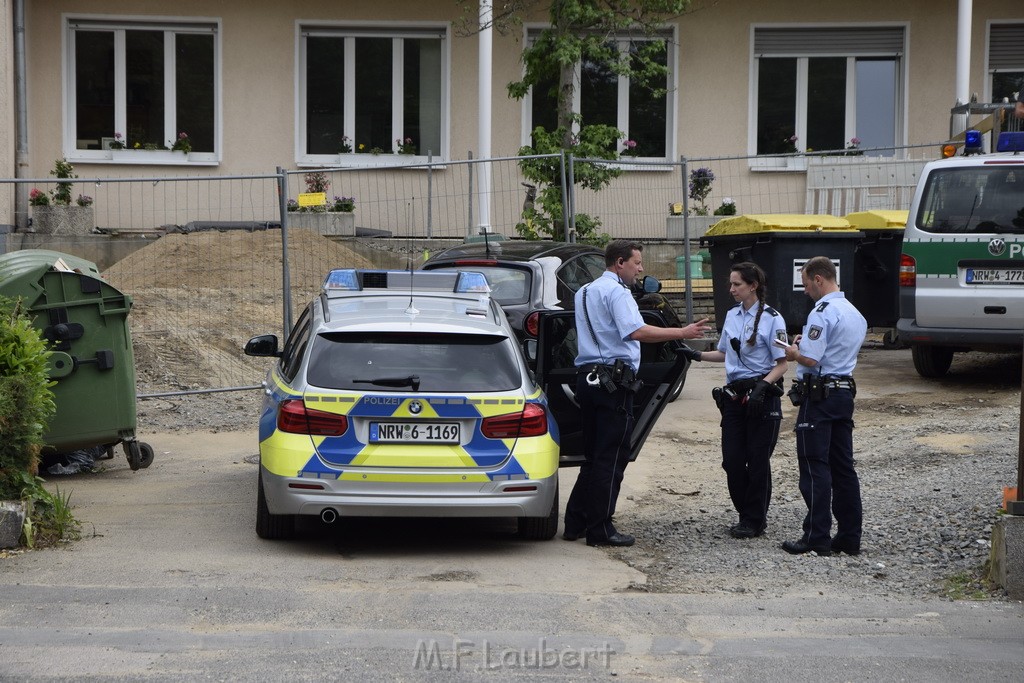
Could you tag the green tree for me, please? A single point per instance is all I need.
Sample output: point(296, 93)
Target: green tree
point(580, 31)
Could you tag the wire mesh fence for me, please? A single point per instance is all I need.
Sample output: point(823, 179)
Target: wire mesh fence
point(215, 266)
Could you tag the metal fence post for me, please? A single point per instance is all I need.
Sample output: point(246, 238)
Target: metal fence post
point(686, 240)
point(565, 192)
point(430, 193)
point(570, 188)
point(469, 197)
point(286, 283)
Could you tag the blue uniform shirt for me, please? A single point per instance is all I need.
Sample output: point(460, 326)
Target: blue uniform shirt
point(614, 316)
point(833, 335)
point(756, 360)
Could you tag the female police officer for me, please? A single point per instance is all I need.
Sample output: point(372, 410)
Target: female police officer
point(750, 401)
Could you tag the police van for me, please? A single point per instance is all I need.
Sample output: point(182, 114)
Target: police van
point(962, 267)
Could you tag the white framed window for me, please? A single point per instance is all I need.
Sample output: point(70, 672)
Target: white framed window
point(138, 84)
point(603, 97)
point(819, 88)
point(371, 95)
point(1005, 60)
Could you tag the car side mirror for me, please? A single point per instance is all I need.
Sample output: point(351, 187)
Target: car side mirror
point(651, 284)
point(530, 351)
point(263, 345)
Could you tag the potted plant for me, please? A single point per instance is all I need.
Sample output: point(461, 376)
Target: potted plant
point(315, 212)
point(56, 214)
point(143, 152)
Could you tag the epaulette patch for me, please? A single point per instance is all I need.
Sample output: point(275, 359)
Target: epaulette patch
point(821, 306)
point(771, 311)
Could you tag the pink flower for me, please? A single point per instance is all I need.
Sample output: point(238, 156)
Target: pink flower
point(630, 144)
point(408, 141)
point(34, 193)
point(854, 141)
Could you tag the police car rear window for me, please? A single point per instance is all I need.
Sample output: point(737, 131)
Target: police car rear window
point(984, 199)
point(418, 362)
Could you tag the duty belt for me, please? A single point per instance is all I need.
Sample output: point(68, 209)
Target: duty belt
point(627, 372)
point(840, 382)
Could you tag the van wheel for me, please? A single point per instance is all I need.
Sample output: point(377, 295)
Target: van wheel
point(931, 361)
point(541, 528)
point(272, 527)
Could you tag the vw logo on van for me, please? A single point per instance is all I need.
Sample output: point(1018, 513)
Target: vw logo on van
point(415, 406)
point(997, 246)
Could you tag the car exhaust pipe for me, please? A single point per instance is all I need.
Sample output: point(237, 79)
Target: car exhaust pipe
point(328, 515)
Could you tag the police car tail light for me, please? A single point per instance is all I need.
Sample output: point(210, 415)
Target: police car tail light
point(908, 271)
point(532, 421)
point(293, 417)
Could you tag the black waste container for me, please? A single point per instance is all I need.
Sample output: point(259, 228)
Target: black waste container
point(85, 321)
point(877, 266)
point(780, 244)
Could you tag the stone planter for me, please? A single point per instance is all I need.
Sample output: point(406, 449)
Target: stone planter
point(12, 519)
point(63, 220)
point(327, 223)
point(698, 226)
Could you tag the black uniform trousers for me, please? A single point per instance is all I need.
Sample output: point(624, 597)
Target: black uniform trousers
point(828, 480)
point(747, 445)
point(607, 432)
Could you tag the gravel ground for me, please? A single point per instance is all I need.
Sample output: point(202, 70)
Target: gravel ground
point(933, 457)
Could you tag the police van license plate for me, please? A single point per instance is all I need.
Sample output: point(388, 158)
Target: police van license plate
point(994, 276)
point(414, 432)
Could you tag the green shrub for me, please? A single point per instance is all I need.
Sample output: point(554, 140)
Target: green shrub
point(26, 402)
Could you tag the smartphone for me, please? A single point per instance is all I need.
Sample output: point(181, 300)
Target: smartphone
point(778, 342)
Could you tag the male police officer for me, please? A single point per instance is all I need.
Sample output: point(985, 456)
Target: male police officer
point(609, 328)
point(826, 354)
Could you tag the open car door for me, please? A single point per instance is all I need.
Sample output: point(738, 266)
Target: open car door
point(661, 365)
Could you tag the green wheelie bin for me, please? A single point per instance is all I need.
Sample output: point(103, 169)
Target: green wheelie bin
point(780, 244)
point(85, 321)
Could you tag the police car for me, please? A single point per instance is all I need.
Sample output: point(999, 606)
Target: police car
point(962, 268)
point(406, 394)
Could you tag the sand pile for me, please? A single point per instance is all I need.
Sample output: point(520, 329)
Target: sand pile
point(199, 297)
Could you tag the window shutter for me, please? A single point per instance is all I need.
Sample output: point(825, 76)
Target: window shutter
point(838, 40)
point(1006, 47)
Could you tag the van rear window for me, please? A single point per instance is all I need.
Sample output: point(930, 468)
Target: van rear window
point(986, 199)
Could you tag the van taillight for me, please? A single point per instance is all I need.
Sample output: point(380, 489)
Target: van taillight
point(908, 271)
point(532, 324)
point(532, 421)
point(295, 418)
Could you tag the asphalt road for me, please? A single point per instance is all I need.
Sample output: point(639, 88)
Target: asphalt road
point(170, 582)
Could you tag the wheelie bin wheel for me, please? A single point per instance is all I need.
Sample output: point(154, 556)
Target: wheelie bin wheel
point(146, 454)
point(133, 452)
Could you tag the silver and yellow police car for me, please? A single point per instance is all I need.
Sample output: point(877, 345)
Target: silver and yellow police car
point(401, 393)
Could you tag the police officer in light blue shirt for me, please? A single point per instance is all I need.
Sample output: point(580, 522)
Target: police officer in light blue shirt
point(750, 401)
point(826, 353)
point(609, 330)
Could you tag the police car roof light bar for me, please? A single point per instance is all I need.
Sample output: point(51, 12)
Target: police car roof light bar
point(347, 281)
point(1010, 141)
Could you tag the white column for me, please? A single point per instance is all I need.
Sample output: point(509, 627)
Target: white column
point(484, 116)
point(963, 51)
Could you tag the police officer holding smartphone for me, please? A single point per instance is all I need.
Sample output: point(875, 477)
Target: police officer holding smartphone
point(750, 401)
point(609, 329)
point(826, 354)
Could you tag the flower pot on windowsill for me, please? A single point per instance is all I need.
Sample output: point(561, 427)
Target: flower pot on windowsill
point(324, 223)
point(62, 219)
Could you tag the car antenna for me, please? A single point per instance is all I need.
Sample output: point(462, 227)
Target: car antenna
point(487, 243)
point(411, 310)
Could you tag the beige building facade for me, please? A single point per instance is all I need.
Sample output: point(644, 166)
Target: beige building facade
point(109, 84)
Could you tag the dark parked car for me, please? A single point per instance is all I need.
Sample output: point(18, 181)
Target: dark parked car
point(527, 277)
point(540, 275)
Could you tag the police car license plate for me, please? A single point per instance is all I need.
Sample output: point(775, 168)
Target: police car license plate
point(994, 276)
point(414, 432)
